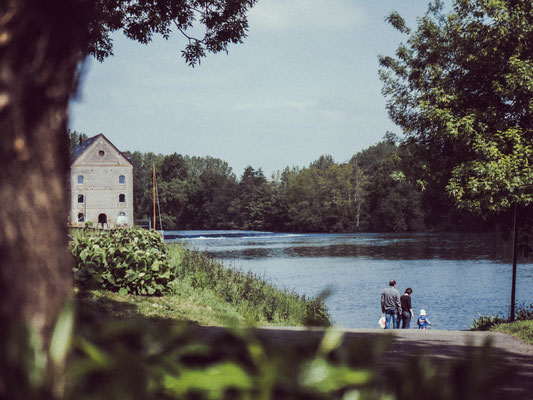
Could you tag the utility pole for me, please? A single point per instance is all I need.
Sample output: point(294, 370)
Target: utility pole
point(515, 255)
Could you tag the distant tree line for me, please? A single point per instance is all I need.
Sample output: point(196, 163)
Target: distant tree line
point(375, 191)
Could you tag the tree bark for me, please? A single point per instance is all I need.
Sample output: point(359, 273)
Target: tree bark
point(41, 50)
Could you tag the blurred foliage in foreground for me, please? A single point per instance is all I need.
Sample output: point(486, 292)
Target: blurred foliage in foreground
point(96, 358)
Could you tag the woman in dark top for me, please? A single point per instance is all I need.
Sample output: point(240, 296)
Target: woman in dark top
point(407, 310)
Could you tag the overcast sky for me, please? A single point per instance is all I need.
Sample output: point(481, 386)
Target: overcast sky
point(304, 83)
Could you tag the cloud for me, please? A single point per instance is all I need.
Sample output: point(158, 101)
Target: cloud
point(282, 16)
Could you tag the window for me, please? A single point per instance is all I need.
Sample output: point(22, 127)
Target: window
point(80, 179)
point(101, 153)
point(121, 198)
point(122, 179)
point(81, 217)
point(81, 199)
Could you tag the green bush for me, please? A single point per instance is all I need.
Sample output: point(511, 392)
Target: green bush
point(130, 261)
point(484, 323)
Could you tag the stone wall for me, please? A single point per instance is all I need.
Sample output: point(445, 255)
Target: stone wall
point(101, 167)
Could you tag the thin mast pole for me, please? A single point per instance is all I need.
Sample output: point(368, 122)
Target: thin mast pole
point(153, 187)
point(158, 207)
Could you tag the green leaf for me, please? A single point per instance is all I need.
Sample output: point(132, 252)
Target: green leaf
point(62, 336)
point(326, 378)
point(84, 254)
point(216, 378)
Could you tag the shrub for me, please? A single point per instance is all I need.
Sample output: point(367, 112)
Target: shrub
point(130, 261)
point(484, 323)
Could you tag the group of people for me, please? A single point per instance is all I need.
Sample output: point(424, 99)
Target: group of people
point(398, 309)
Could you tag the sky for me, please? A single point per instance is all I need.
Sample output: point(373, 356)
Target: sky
point(304, 83)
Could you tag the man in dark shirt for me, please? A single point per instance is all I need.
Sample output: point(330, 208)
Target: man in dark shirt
point(390, 305)
point(407, 310)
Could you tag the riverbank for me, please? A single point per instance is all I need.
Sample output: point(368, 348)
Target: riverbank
point(120, 344)
point(469, 273)
point(522, 330)
point(197, 288)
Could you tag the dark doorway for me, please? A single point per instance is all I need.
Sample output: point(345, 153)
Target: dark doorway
point(102, 219)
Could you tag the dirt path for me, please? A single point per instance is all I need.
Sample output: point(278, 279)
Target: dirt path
point(440, 346)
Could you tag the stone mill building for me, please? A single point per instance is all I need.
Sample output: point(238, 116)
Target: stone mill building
point(101, 183)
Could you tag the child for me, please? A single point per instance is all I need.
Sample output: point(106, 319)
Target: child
point(423, 321)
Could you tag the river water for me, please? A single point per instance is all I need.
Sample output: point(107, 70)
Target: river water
point(454, 277)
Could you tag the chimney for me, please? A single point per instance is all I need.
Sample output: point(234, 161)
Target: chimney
point(81, 139)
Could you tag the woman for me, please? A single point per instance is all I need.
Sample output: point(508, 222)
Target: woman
point(407, 311)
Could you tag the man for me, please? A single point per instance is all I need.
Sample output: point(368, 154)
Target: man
point(390, 305)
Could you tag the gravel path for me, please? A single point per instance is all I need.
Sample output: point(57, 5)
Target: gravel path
point(439, 343)
point(440, 346)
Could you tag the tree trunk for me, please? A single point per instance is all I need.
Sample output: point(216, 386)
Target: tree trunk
point(41, 49)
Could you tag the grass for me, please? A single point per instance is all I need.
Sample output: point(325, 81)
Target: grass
point(255, 299)
point(201, 307)
point(520, 329)
point(206, 292)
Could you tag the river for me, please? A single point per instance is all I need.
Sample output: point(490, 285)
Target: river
point(454, 277)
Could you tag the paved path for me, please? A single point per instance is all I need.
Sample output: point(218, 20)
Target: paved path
point(440, 346)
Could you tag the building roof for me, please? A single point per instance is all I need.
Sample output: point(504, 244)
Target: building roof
point(80, 148)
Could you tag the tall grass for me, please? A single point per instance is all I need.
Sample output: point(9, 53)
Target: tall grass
point(255, 298)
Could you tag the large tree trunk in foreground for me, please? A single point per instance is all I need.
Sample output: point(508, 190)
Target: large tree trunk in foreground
point(41, 45)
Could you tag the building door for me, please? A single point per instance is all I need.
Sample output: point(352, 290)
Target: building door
point(102, 219)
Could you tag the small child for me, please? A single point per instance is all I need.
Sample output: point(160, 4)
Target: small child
point(423, 321)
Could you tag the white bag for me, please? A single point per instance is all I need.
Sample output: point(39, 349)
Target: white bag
point(381, 321)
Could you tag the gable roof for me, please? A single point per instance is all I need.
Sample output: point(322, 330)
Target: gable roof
point(80, 148)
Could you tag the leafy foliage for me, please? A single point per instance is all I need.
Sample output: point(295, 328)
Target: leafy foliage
point(137, 359)
point(74, 138)
point(484, 323)
point(461, 89)
point(126, 260)
point(380, 189)
point(224, 22)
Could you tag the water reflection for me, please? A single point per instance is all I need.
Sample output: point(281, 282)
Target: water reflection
point(371, 246)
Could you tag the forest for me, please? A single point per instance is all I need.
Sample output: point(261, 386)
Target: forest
point(377, 190)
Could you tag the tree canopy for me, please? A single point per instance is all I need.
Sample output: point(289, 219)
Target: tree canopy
point(374, 191)
point(223, 21)
point(42, 48)
point(461, 88)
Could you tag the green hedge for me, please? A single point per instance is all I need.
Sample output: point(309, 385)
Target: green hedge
point(128, 261)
